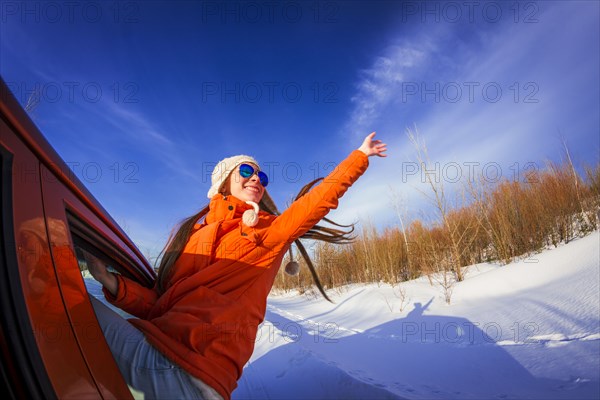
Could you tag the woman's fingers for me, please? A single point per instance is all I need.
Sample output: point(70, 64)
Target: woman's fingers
point(372, 146)
point(381, 149)
point(95, 266)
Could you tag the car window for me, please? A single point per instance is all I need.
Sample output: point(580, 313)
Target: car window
point(87, 239)
point(90, 239)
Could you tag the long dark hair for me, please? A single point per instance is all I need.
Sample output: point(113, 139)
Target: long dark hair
point(177, 241)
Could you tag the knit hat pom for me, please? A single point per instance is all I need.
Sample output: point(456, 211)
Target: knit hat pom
point(292, 268)
point(250, 217)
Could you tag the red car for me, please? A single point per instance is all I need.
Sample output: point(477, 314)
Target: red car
point(51, 344)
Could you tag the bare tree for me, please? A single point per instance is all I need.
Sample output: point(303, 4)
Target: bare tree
point(459, 240)
point(400, 209)
point(33, 100)
point(401, 296)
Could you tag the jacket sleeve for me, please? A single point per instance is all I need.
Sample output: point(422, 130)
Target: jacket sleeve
point(309, 209)
point(132, 297)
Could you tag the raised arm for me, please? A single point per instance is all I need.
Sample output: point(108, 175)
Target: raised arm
point(308, 210)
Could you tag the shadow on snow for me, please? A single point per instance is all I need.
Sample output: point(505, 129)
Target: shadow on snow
point(420, 356)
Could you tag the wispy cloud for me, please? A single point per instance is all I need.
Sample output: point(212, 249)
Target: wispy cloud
point(510, 132)
point(380, 83)
point(136, 125)
point(144, 134)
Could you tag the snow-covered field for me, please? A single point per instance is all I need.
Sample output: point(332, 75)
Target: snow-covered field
point(530, 329)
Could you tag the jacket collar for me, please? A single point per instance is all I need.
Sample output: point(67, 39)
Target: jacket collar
point(225, 208)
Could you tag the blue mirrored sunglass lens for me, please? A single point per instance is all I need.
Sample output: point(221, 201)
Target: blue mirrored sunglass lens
point(246, 170)
point(264, 179)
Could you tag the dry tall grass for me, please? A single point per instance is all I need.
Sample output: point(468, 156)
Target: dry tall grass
point(498, 222)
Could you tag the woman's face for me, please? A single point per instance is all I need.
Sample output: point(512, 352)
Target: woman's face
point(246, 189)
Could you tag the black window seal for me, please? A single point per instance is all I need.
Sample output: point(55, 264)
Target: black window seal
point(86, 237)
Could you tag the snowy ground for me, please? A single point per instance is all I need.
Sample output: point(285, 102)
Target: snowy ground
point(530, 329)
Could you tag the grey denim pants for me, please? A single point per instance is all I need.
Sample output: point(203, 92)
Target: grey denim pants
point(144, 368)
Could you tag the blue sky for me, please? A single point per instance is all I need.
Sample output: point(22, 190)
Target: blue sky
point(143, 98)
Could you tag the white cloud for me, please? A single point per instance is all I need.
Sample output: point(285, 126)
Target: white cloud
point(509, 132)
point(135, 125)
point(378, 85)
point(138, 129)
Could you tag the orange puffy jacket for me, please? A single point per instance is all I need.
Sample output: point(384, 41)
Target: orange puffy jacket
point(208, 317)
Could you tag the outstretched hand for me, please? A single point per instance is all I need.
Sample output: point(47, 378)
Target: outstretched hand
point(373, 147)
point(99, 271)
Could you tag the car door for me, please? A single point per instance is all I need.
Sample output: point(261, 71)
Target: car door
point(23, 254)
point(51, 344)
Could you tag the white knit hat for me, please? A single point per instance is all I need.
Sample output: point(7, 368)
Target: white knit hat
point(223, 169)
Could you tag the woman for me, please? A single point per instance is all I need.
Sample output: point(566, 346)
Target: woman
point(197, 326)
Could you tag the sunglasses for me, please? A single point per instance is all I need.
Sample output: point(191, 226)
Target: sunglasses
point(246, 171)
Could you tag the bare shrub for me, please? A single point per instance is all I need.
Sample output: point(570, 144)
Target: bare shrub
point(496, 222)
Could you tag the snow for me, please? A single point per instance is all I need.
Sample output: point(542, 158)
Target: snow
point(530, 329)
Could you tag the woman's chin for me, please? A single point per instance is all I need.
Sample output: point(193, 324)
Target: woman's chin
point(255, 198)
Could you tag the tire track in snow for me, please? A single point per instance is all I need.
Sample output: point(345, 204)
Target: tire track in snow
point(313, 327)
point(304, 322)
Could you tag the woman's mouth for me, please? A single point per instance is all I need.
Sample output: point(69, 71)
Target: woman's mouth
point(252, 189)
